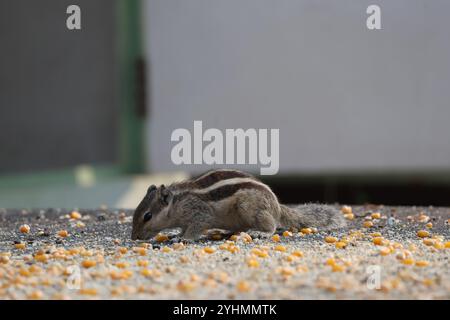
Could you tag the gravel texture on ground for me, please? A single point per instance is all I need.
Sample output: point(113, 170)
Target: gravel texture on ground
point(375, 257)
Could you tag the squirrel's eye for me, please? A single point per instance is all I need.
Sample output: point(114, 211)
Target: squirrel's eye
point(147, 216)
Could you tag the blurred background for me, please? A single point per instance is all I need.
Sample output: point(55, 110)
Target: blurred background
point(86, 115)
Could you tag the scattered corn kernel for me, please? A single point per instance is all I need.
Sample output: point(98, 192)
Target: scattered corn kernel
point(24, 228)
point(142, 263)
point(243, 286)
point(297, 253)
point(178, 246)
point(252, 263)
point(122, 250)
point(376, 215)
point(63, 233)
point(422, 263)
point(88, 263)
point(166, 249)
point(306, 231)
point(378, 241)
point(408, 261)
point(122, 265)
point(88, 291)
point(287, 234)
point(346, 209)
point(349, 216)
point(209, 250)
point(385, 251)
point(185, 286)
point(276, 238)
point(341, 244)
point(447, 245)
point(280, 248)
point(368, 224)
point(337, 268)
point(35, 295)
point(160, 237)
point(330, 239)
point(429, 225)
point(423, 234)
point(20, 245)
point(75, 215)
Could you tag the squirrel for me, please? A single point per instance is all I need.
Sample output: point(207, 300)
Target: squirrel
point(224, 199)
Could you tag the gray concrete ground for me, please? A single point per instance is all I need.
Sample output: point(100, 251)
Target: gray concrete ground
point(97, 259)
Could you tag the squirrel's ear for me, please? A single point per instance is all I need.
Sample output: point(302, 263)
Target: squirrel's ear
point(166, 195)
point(151, 189)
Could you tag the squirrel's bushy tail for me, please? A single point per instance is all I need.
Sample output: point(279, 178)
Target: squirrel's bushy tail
point(322, 217)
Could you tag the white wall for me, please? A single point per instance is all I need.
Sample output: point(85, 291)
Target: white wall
point(344, 97)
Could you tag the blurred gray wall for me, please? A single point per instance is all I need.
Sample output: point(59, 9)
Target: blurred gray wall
point(344, 97)
point(58, 103)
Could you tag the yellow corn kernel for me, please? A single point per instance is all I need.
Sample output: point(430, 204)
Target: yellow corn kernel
point(337, 268)
point(140, 251)
point(122, 265)
point(375, 234)
point(88, 263)
point(376, 215)
point(306, 231)
point(349, 216)
point(287, 234)
point(423, 234)
point(63, 233)
point(41, 257)
point(368, 224)
point(234, 237)
point(259, 253)
point(276, 238)
point(147, 272)
point(185, 286)
point(280, 248)
point(35, 295)
point(243, 286)
point(330, 239)
point(24, 228)
point(166, 249)
point(122, 250)
point(209, 250)
point(330, 261)
point(246, 237)
point(75, 215)
point(160, 237)
point(378, 241)
point(429, 225)
point(407, 261)
point(24, 272)
point(291, 258)
point(142, 263)
point(428, 241)
point(340, 244)
point(422, 263)
point(88, 291)
point(286, 271)
point(439, 245)
point(297, 253)
point(447, 245)
point(252, 263)
point(385, 251)
point(346, 209)
point(20, 245)
point(178, 246)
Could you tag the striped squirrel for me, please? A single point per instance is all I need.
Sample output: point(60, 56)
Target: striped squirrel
point(224, 199)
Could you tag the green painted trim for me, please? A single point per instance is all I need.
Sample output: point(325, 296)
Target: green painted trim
point(55, 177)
point(131, 140)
